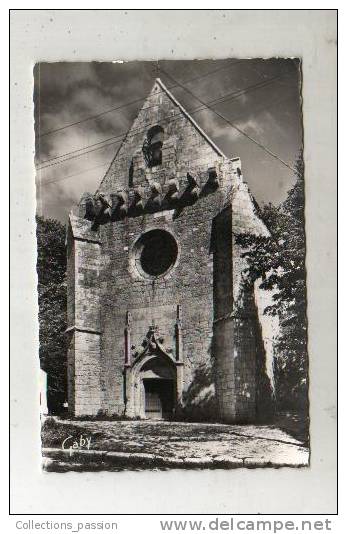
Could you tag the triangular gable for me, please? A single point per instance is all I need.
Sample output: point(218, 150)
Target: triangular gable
point(160, 107)
point(145, 119)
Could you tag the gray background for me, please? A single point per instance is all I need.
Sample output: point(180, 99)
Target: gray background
point(51, 35)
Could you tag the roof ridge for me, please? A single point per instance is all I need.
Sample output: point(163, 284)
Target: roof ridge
point(189, 117)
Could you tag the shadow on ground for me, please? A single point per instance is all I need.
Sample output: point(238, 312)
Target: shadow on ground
point(122, 445)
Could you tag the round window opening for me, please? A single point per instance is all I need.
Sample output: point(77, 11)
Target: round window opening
point(155, 253)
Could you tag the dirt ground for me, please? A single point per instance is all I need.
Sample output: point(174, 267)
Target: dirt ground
point(68, 444)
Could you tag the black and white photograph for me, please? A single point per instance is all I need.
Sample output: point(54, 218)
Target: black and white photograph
point(171, 266)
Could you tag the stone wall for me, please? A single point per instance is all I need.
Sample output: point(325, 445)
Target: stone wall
point(189, 284)
point(199, 197)
point(83, 313)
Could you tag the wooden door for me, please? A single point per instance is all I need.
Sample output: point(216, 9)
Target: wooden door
point(153, 408)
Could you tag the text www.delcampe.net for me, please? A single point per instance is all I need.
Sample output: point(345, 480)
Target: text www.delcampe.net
point(218, 524)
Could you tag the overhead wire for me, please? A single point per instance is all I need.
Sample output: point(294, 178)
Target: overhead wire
point(224, 98)
point(117, 108)
point(238, 129)
point(204, 105)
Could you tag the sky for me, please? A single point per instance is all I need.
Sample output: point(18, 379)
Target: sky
point(261, 97)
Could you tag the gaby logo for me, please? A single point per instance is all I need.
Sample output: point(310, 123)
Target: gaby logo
point(72, 443)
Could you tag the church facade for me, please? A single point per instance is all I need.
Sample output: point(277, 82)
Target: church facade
point(162, 322)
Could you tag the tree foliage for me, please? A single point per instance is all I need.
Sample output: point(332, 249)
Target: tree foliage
point(279, 261)
point(51, 268)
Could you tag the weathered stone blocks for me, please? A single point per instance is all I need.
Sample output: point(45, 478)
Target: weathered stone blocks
point(199, 305)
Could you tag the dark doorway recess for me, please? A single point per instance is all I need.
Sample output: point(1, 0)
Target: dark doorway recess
point(159, 398)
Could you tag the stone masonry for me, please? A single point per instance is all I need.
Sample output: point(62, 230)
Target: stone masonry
point(161, 321)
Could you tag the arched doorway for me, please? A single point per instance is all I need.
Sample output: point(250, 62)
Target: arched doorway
point(158, 388)
point(153, 377)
